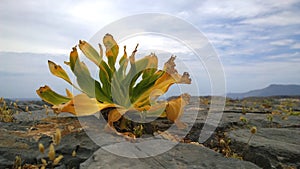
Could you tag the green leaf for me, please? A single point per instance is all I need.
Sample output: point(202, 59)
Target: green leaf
point(152, 65)
point(135, 71)
point(157, 110)
point(146, 83)
point(58, 71)
point(118, 87)
point(105, 72)
point(90, 52)
point(123, 62)
point(141, 66)
point(169, 77)
point(49, 96)
point(119, 92)
point(105, 76)
point(87, 84)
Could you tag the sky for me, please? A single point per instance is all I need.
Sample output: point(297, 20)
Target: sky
point(257, 42)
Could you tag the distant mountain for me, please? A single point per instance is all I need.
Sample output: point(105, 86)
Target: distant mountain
point(272, 90)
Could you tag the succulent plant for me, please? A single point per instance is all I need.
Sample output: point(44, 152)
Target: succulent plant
point(122, 89)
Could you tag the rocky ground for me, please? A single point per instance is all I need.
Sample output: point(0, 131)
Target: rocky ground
point(276, 144)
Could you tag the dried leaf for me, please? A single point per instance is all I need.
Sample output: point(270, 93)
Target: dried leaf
point(115, 114)
point(73, 153)
point(57, 136)
point(58, 159)
point(41, 148)
point(169, 77)
point(44, 162)
point(51, 153)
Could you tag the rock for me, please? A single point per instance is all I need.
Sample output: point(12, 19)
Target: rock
point(22, 138)
point(276, 145)
point(13, 143)
point(32, 105)
point(37, 115)
point(279, 143)
point(269, 146)
point(181, 156)
point(260, 120)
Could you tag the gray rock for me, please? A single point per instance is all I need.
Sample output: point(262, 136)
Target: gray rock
point(276, 145)
point(260, 120)
point(37, 115)
point(22, 138)
point(12, 144)
point(181, 156)
point(269, 147)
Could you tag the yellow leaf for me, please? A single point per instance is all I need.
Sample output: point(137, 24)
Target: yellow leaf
point(58, 159)
point(82, 105)
point(162, 84)
point(57, 137)
point(114, 115)
point(51, 153)
point(44, 162)
point(151, 66)
point(152, 61)
point(73, 58)
point(58, 71)
point(112, 50)
point(69, 93)
point(174, 109)
point(110, 44)
point(41, 148)
point(73, 153)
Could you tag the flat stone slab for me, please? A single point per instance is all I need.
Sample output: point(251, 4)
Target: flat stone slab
point(276, 145)
point(181, 156)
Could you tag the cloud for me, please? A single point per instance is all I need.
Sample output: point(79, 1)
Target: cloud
point(283, 57)
point(43, 26)
point(235, 9)
point(252, 38)
point(284, 18)
point(231, 9)
point(296, 46)
point(283, 42)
